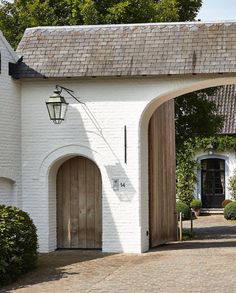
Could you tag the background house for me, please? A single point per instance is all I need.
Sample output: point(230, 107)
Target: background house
point(217, 167)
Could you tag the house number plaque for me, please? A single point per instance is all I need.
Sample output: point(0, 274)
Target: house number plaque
point(119, 184)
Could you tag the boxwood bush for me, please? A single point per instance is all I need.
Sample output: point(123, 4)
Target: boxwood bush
point(196, 204)
point(184, 209)
point(230, 211)
point(18, 243)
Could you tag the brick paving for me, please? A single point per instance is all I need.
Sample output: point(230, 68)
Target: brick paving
point(204, 264)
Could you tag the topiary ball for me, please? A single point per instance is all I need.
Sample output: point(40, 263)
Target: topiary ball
point(196, 204)
point(230, 211)
point(182, 207)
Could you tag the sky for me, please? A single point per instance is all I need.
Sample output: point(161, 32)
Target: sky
point(217, 10)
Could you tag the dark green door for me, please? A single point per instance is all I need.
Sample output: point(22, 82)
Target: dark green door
point(213, 182)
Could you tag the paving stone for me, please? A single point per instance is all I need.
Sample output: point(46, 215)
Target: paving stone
point(203, 265)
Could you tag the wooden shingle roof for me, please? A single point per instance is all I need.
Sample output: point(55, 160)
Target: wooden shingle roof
point(128, 50)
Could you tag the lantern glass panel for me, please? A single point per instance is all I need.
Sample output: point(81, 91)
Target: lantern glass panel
point(64, 107)
point(57, 110)
point(57, 107)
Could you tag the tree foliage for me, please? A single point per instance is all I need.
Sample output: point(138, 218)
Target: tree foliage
point(196, 116)
point(17, 16)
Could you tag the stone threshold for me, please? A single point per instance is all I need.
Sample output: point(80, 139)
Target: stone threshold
point(212, 211)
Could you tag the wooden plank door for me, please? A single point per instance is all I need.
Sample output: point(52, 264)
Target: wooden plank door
point(162, 180)
point(79, 204)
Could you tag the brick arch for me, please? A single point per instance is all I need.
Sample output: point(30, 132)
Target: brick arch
point(7, 191)
point(8, 173)
point(58, 156)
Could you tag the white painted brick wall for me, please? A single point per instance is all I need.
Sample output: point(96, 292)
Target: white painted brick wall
point(114, 103)
point(10, 130)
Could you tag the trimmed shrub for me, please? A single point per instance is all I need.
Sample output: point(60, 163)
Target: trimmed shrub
point(196, 204)
point(18, 243)
point(230, 211)
point(225, 202)
point(182, 207)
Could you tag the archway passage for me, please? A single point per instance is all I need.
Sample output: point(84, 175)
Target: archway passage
point(79, 204)
point(162, 199)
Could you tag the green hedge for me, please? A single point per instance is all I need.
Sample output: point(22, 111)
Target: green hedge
point(18, 244)
point(230, 211)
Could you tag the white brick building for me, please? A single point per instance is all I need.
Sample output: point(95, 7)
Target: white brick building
point(10, 131)
point(120, 88)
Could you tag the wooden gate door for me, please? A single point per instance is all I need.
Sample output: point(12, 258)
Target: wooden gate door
point(162, 179)
point(79, 204)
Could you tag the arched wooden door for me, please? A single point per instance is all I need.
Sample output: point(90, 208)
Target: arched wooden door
point(79, 204)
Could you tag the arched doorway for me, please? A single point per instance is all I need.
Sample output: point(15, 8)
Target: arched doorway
point(79, 204)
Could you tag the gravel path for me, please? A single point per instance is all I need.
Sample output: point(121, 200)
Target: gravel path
point(206, 264)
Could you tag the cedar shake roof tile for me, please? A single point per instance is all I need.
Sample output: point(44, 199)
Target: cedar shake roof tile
point(128, 50)
point(225, 100)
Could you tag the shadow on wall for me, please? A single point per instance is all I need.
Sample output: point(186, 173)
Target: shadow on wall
point(118, 178)
point(120, 182)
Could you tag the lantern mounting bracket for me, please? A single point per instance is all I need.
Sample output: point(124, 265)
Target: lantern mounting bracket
point(57, 105)
point(59, 89)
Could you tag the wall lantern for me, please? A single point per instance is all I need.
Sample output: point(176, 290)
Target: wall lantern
point(57, 105)
point(210, 149)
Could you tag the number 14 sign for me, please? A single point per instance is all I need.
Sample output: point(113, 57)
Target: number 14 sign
point(119, 184)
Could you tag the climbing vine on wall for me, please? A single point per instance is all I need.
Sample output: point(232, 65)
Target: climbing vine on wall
point(187, 166)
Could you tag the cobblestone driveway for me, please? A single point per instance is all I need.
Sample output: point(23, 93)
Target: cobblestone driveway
point(201, 265)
